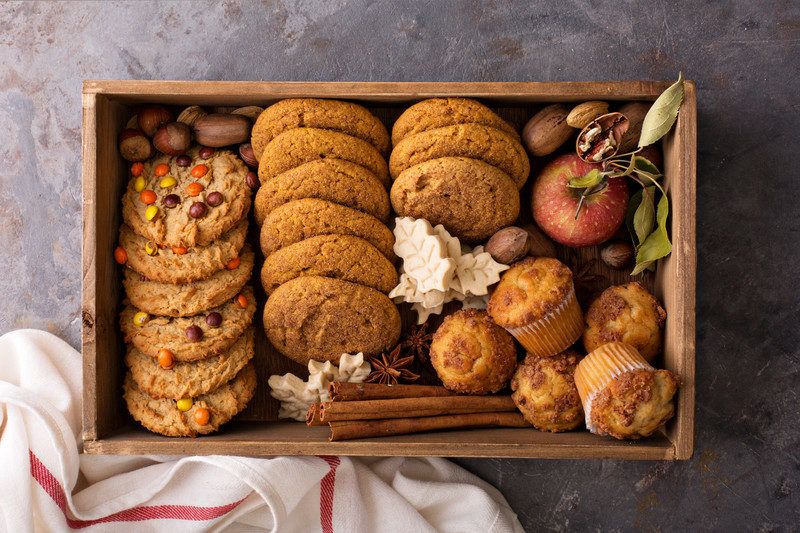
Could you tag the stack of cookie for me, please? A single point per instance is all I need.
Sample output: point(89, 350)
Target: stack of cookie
point(188, 314)
point(323, 208)
point(457, 163)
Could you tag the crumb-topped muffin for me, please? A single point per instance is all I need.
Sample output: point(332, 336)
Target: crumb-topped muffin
point(622, 395)
point(535, 301)
point(545, 392)
point(625, 313)
point(471, 354)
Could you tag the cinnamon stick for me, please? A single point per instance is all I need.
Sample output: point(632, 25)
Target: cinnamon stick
point(313, 415)
point(413, 407)
point(361, 429)
point(344, 391)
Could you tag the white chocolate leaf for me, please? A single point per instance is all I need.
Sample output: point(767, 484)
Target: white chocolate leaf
point(406, 291)
point(423, 312)
point(476, 273)
point(424, 254)
point(453, 245)
point(353, 368)
point(475, 302)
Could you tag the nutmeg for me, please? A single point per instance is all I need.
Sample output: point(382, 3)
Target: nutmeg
point(151, 118)
point(547, 130)
point(508, 245)
point(134, 145)
point(635, 113)
point(250, 111)
point(173, 138)
point(617, 255)
point(247, 155)
point(540, 244)
point(190, 115)
point(218, 129)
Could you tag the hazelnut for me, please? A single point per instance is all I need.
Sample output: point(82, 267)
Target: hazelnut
point(508, 245)
point(540, 244)
point(189, 115)
point(219, 129)
point(251, 111)
point(151, 118)
point(173, 138)
point(617, 255)
point(134, 145)
point(247, 155)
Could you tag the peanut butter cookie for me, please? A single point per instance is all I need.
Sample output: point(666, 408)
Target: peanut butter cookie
point(312, 317)
point(490, 145)
point(167, 299)
point(439, 112)
point(333, 256)
point(302, 219)
point(190, 338)
point(187, 200)
point(294, 147)
point(336, 115)
point(470, 198)
point(335, 180)
point(219, 406)
point(179, 264)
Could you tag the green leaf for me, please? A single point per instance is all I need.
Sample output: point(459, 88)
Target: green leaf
point(642, 164)
point(591, 179)
point(633, 205)
point(645, 216)
point(657, 244)
point(662, 114)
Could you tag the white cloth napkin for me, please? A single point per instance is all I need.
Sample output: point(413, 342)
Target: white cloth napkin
point(46, 485)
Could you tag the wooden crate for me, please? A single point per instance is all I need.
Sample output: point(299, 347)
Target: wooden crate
point(107, 427)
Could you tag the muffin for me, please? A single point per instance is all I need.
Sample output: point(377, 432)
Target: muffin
point(535, 301)
point(470, 198)
point(471, 354)
point(545, 393)
point(625, 313)
point(622, 395)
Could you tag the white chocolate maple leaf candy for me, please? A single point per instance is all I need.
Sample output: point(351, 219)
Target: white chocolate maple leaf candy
point(477, 271)
point(424, 254)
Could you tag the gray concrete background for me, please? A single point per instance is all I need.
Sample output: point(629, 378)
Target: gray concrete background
point(744, 56)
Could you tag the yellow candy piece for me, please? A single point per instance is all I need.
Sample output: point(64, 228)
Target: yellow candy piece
point(139, 184)
point(140, 318)
point(151, 212)
point(184, 404)
point(167, 182)
point(150, 248)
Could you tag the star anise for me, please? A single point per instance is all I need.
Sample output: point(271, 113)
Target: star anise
point(390, 368)
point(418, 342)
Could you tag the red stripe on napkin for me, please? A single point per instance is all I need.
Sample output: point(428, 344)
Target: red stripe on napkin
point(326, 487)
point(53, 487)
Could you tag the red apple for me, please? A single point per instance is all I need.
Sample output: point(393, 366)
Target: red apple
point(554, 204)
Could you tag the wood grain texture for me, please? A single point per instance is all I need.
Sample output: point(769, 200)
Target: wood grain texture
point(107, 425)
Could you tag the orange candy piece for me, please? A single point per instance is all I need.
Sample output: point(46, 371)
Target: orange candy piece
point(241, 300)
point(120, 255)
point(201, 416)
point(199, 170)
point(179, 250)
point(148, 197)
point(194, 188)
point(162, 169)
point(166, 359)
point(233, 264)
point(137, 169)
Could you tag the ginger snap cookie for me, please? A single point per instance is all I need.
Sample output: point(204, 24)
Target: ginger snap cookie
point(335, 180)
point(439, 112)
point(470, 198)
point(309, 217)
point(188, 417)
point(488, 144)
point(187, 200)
point(336, 115)
point(334, 256)
point(188, 380)
point(294, 147)
point(179, 264)
point(169, 299)
point(319, 318)
point(190, 338)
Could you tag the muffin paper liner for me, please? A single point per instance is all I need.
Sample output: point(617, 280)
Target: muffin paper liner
point(597, 369)
point(555, 332)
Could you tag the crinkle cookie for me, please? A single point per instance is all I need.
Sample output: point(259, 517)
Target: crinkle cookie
point(189, 380)
point(294, 147)
point(302, 219)
point(168, 299)
point(345, 117)
point(190, 205)
point(334, 180)
point(163, 415)
point(193, 337)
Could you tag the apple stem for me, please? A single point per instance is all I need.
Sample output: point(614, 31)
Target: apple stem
point(580, 204)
